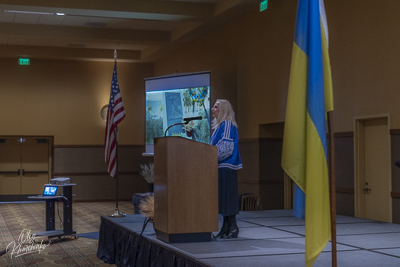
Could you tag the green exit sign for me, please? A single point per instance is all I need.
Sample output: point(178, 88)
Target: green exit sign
point(263, 5)
point(24, 61)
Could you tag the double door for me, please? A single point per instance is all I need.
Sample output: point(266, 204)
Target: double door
point(24, 165)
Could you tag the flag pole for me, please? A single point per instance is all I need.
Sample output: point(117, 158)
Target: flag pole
point(332, 189)
point(116, 177)
point(116, 213)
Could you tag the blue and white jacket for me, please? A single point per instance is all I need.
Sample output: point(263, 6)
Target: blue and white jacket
point(226, 138)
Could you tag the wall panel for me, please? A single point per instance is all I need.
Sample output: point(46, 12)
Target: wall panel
point(86, 167)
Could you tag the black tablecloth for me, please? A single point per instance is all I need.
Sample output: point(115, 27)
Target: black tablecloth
point(124, 247)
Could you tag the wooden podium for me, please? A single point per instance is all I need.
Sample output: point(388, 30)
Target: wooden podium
point(185, 190)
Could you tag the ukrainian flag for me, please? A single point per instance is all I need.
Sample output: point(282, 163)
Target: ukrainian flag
point(310, 97)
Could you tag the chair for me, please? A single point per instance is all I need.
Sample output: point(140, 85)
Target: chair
point(250, 202)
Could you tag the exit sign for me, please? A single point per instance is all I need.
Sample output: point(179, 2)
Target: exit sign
point(24, 61)
point(263, 5)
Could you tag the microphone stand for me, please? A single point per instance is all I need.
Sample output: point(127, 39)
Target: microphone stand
point(180, 123)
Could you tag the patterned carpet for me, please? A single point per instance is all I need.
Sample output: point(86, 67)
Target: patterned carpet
point(19, 220)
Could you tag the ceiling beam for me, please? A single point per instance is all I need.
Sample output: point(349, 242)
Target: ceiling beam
point(15, 51)
point(129, 9)
point(191, 20)
point(92, 34)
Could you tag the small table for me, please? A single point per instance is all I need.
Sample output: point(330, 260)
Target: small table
point(50, 212)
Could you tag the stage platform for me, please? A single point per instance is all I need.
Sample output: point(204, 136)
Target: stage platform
point(266, 238)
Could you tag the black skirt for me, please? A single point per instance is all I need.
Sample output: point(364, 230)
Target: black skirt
point(227, 192)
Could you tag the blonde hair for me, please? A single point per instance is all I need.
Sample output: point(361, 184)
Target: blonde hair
point(226, 113)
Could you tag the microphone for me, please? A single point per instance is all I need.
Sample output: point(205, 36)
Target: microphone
point(192, 119)
point(186, 121)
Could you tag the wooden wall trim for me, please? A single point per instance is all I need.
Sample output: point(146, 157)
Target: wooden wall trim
point(249, 140)
point(101, 200)
point(395, 194)
point(67, 174)
point(344, 190)
point(259, 182)
point(279, 139)
point(248, 182)
point(344, 134)
point(258, 140)
point(394, 131)
point(244, 140)
point(97, 146)
point(272, 139)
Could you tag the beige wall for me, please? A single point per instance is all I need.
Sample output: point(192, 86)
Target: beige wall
point(250, 62)
point(365, 59)
point(249, 59)
point(63, 99)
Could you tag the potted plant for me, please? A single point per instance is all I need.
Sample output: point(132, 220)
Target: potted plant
point(148, 174)
point(146, 207)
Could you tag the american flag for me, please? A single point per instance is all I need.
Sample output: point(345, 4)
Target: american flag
point(115, 114)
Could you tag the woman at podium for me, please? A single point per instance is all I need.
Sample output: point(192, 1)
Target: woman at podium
point(226, 138)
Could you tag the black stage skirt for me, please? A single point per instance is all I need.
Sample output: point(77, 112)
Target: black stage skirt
point(227, 192)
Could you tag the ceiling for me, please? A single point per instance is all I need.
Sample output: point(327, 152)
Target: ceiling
point(139, 30)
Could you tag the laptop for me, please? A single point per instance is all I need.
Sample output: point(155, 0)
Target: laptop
point(49, 190)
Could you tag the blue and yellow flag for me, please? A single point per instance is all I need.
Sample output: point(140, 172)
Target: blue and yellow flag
point(310, 97)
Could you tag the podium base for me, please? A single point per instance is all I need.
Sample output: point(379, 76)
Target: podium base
point(117, 214)
point(184, 238)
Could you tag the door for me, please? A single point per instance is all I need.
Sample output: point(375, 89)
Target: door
point(373, 176)
point(10, 167)
point(24, 165)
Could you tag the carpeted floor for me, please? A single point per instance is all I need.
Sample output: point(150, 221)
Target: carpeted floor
point(19, 220)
